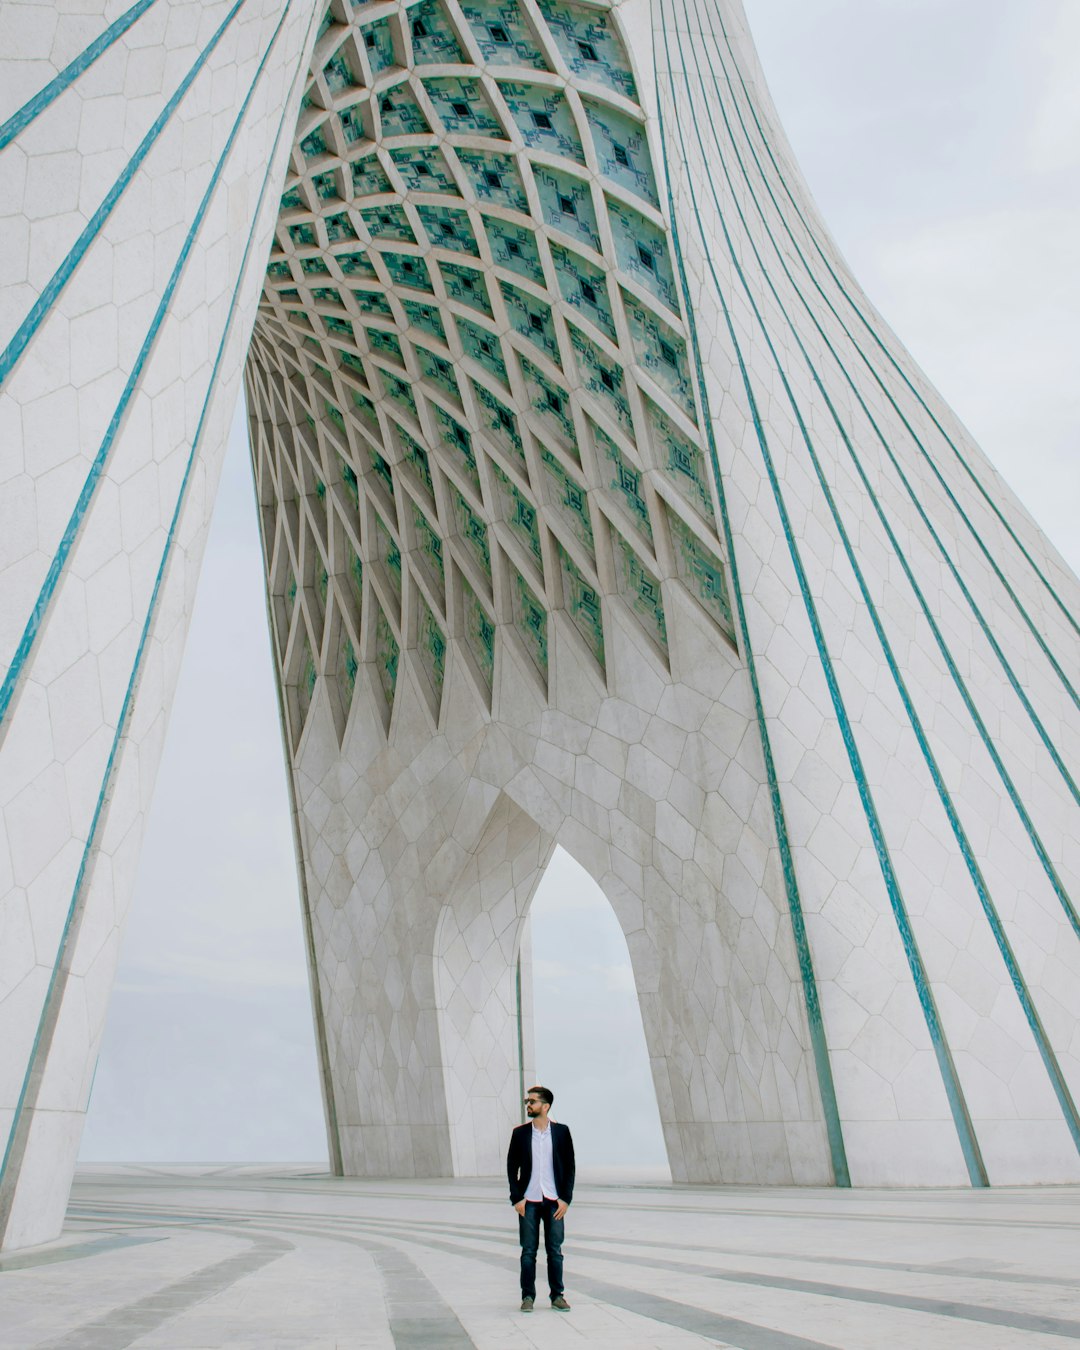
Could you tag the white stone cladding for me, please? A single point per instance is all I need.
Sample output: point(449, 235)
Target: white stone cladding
point(600, 509)
point(70, 770)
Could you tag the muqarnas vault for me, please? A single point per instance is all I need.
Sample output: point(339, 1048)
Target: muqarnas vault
point(600, 509)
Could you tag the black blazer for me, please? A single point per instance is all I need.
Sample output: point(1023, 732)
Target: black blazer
point(519, 1161)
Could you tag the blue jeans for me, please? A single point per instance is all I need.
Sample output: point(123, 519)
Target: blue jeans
point(529, 1233)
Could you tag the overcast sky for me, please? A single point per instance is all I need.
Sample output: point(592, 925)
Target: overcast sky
point(941, 139)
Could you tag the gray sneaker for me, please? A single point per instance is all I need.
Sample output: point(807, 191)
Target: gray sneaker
point(526, 1305)
point(560, 1304)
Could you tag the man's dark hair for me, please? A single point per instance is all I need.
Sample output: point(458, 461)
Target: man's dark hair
point(545, 1094)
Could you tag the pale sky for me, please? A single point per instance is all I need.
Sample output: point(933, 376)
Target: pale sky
point(941, 139)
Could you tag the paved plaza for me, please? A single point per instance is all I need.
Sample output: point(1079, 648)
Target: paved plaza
point(194, 1257)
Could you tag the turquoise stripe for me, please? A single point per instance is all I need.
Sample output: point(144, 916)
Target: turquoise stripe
point(1035, 839)
point(953, 1090)
point(1016, 979)
point(19, 121)
point(899, 370)
point(818, 1042)
point(71, 531)
point(129, 695)
point(9, 357)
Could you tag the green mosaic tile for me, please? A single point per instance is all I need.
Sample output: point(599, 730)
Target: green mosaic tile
point(293, 200)
point(365, 408)
point(373, 303)
point(530, 621)
point(378, 44)
point(423, 169)
point(484, 347)
point(417, 458)
point(467, 286)
point(334, 414)
point(463, 107)
point(503, 35)
point(385, 344)
point(290, 591)
point(459, 443)
point(479, 629)
point(472, 530)
point(313, 146)
point(424, 317)
point(602, 377)
point(338, 327)
point(622, 149)
point(324, 575)
point(399, 391)
point(314, 267)
point(339, 229)
point(439, 371)
point(431, 650)
point(447, 228)
point(543, 118)
point(338, 73)
point(684, 461)
point(584, 286)
point(387, 654)
point(520, 514)
point(500, 422)
point(514, 247)
point(356, 577)
point(494, 178)
point(406, 269)
point(302, 236)
point(305, 685)
point(567, 204)
point(326, 187)
point(702, 572)
point(349, 478)
point(389, 553)
point(356, 264)
point(549, 402)
point(642, 250)
point(349, 668)
point(383, 471)
point(582, 604)
point(625, 480)
point(640, 588)
point(388, 223)
point(590, 46)
point(326, 295)
point(569, 498)
point(279, 271)
point(430, 546)
point(369, 178)
point(352, 125)
point(661, 351)
point(532, 319)
point(432, 36)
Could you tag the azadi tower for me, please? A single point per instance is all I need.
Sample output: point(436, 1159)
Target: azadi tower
point(599, 508)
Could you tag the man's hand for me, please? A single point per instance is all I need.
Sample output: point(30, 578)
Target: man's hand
point(560, 1209)
point(520, 1207)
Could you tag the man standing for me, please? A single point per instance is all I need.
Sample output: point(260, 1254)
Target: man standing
point(540, 1168)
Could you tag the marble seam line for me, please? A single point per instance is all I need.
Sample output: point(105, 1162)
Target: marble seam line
point(1057, 1079)
point(54, 982)
point(972, 604)
point(938, 1307)
point(1014, 796)
point(35, 106)
point(954, 1091)
point(132, 1321)
point(819, 1045)
point(842, 289)
point(25, 333)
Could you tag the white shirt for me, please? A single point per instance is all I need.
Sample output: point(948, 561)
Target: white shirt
point(542, 1180)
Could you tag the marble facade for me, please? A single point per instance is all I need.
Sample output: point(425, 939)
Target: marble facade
point(600, 509)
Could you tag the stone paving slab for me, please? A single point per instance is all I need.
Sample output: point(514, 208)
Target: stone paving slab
point(279, 1258)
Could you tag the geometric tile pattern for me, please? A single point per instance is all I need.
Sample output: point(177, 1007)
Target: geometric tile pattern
point(599, 509)
point(469, 376)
